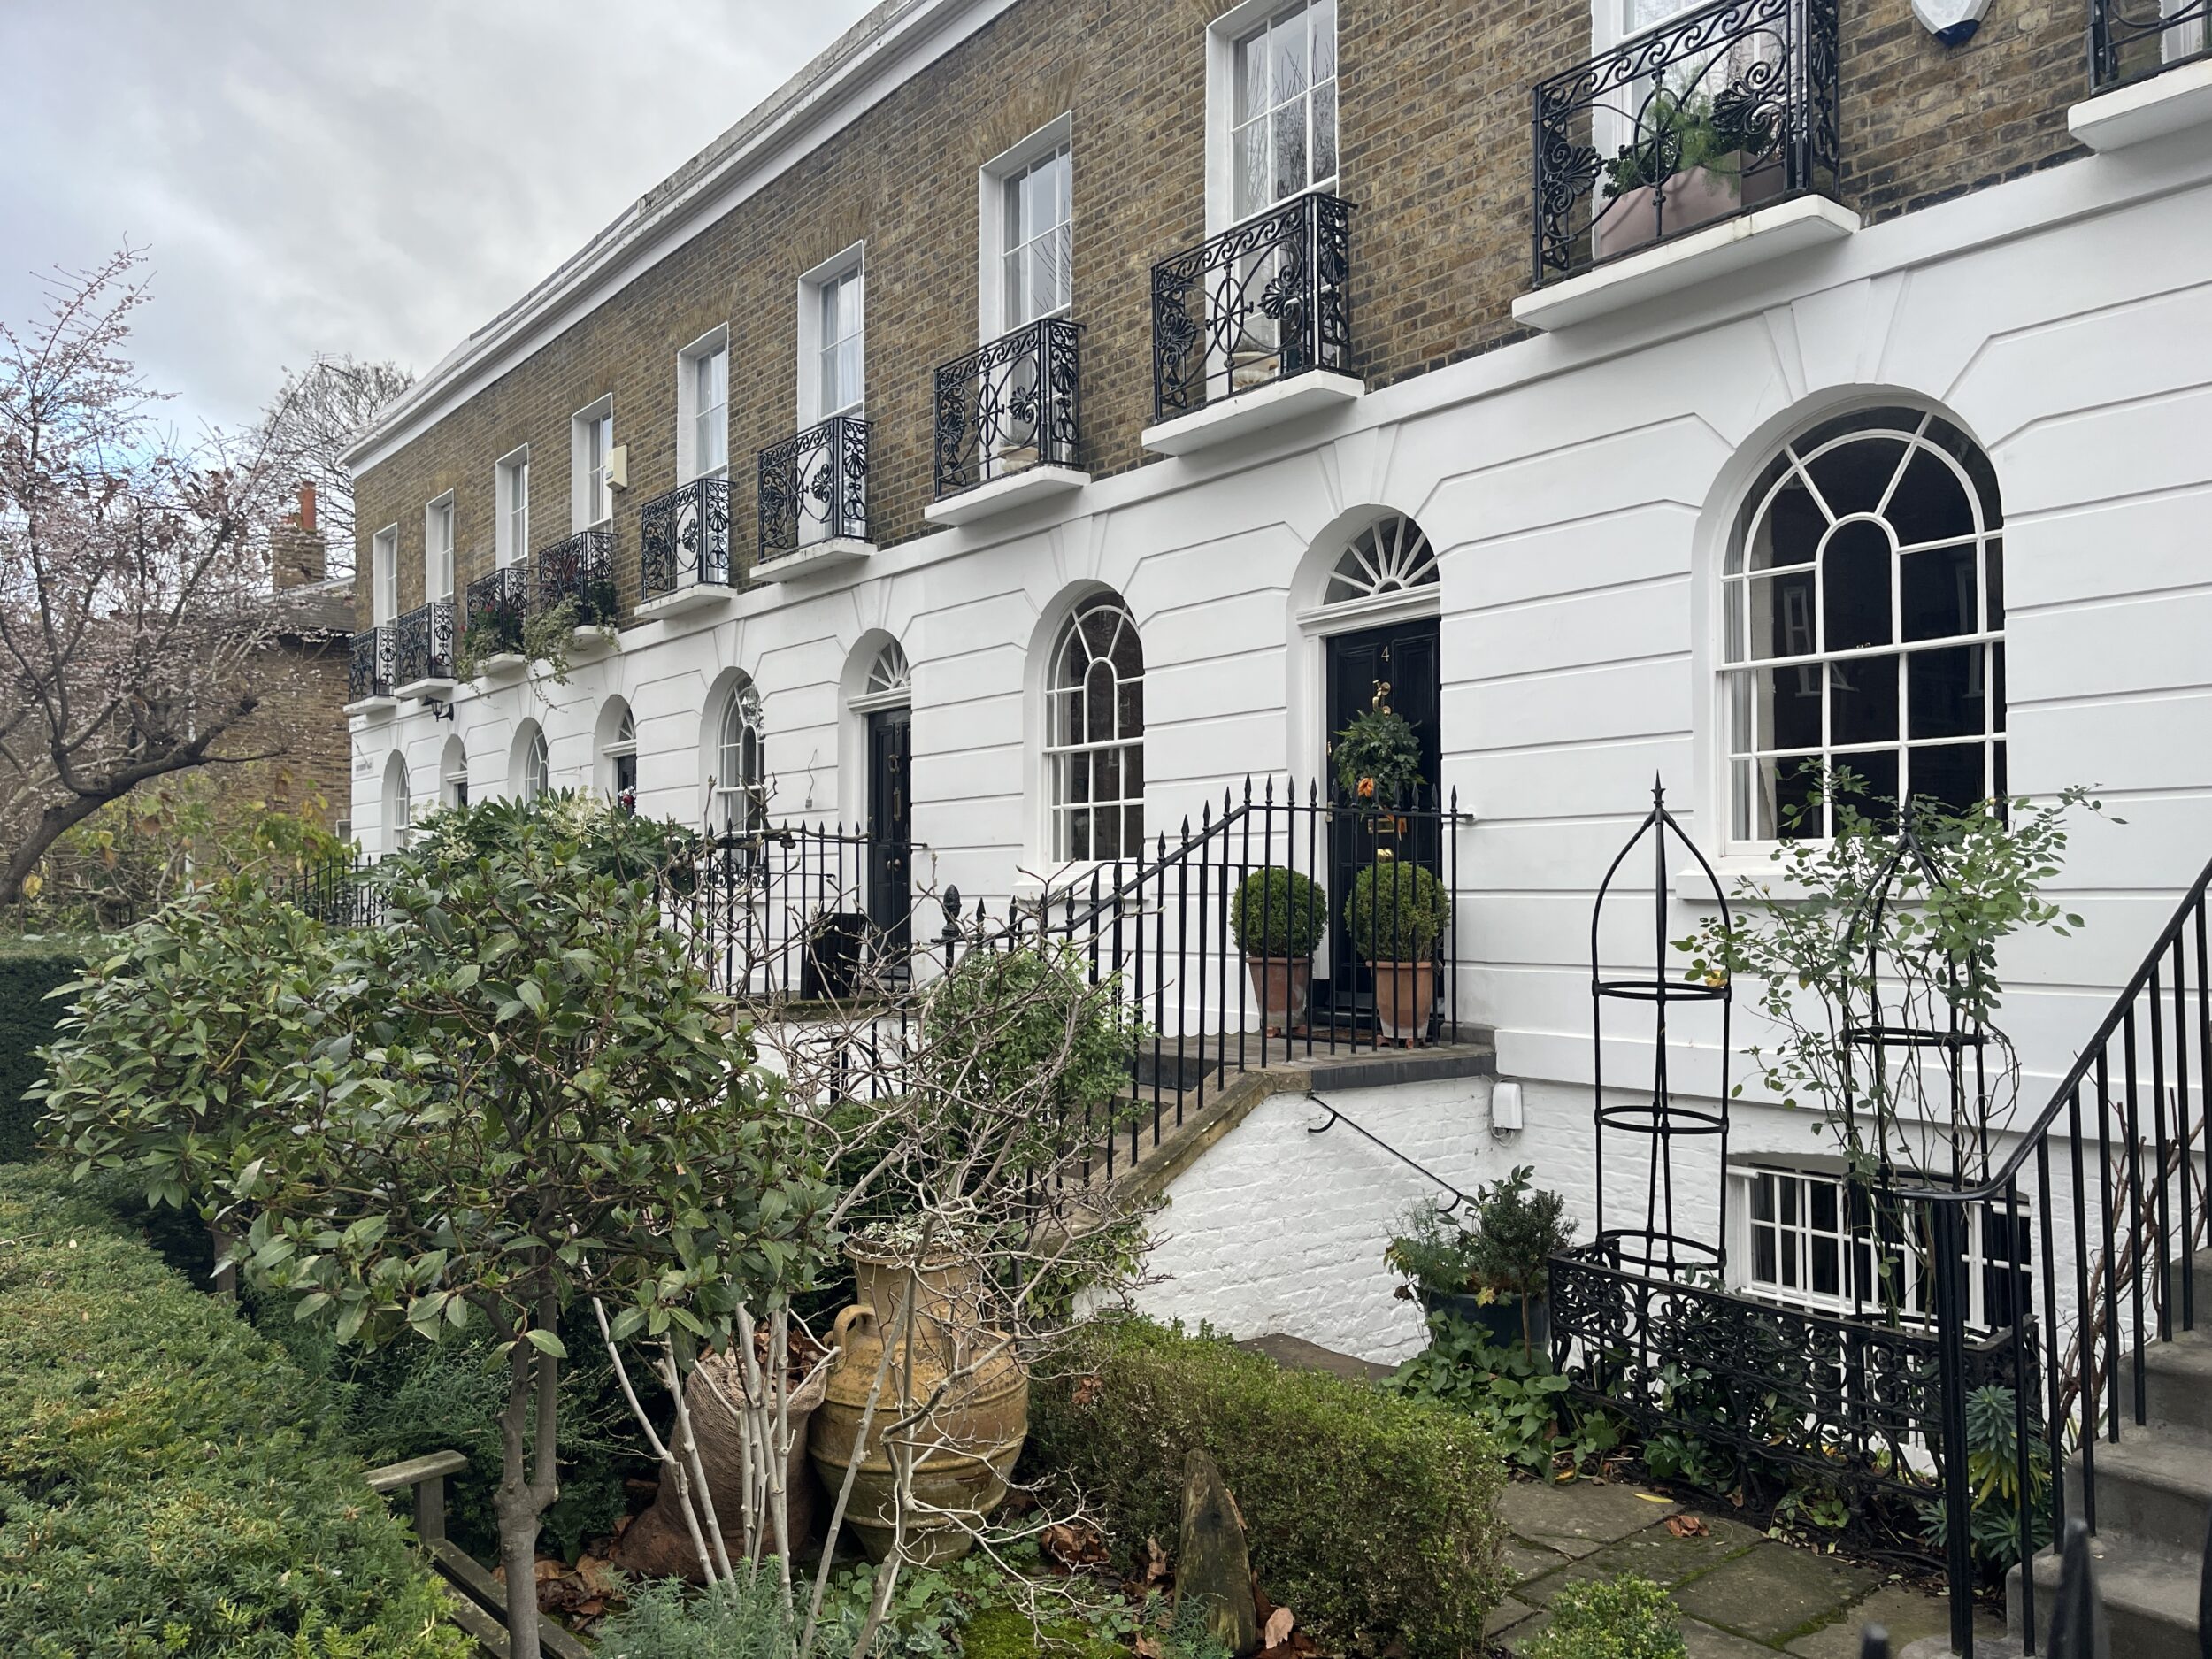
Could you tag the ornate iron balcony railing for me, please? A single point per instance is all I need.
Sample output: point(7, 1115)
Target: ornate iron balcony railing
point(370, 672)
point(1728, 108)
point(497, 603)
point(1009, 406)
point(1259, 303)
point(425, 650)
point(814, 487)
point(684, 538)
point(581, 569)
point(2132, 43)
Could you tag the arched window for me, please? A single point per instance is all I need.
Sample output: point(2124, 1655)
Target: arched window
point(1095, 734)
point(740, 803)
point(537, 766)
point(453, 774)
point(1862, 627)
point(619, 752)
point(1391, 556)
point(399, 806)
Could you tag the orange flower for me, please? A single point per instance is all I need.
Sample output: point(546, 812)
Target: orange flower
point(1366, 788)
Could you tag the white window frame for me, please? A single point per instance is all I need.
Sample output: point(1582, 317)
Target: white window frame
point(1223, 35)
point(739, 803)
point(690, 462)
point(399, 806)
point(537, 766)
point(511, 531)
point(1062, 754)
point(384, 576)
point(437, 549)
point(993, 316)
point(591, 497)
point(852, 262)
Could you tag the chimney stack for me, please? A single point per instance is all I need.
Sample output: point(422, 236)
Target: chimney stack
point(297, 556)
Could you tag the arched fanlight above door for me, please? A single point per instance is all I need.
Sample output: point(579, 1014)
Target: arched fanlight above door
point(889, 676)
point(1391, 556)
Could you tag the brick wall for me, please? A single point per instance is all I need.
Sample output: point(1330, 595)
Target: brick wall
point(1434, 142)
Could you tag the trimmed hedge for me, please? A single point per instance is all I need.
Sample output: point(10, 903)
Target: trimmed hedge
point(1371, 1517)
point(167, 1486)
point(29, 971)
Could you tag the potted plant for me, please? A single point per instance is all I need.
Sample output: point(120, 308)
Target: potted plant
point(1492, 1269)
point(1276, 916)
point(1378, 756)
point(1396, 914)
point(1690, 162)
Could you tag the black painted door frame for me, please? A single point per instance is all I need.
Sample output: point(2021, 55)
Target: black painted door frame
point(891, 826)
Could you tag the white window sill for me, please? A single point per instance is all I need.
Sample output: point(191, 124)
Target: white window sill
point(1683, 262)
point(502, 665)
point(590, 641)
point(2148, 109)
point(1733, 868)
point(1262, 406)
point(1002, 494)
point(682, 601)
point(820, 555)
point(432, 690)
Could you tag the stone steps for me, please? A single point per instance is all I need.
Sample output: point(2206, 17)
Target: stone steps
point(2150, 1596)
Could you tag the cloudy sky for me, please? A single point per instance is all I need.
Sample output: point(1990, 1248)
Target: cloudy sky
point(370, 176)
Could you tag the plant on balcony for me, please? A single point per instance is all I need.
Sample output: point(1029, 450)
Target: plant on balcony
point(1397, 912)
point(1693, 159)
point(1378, 755)
point(1278, 917)
point(497, 630)
point(547, 638)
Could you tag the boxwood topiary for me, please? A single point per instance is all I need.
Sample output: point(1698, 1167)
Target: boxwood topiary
point(1373, 1518)
point(1397, 912)
point(1622, 1618)
point(30, 970)
point(168, 1484)
point(1278, 913)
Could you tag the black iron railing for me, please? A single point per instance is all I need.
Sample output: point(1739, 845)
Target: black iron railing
point(497, 604)
point(782, 912)
point(1261, 303)
point(579, 571)
point(369, 673)
point(814, 487)
point(684, 539)
point(1724, 110)
point(424, 647)
point(2130, 43)
point(1009, 406)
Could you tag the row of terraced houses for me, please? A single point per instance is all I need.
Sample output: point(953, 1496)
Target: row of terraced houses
point(1044, 418)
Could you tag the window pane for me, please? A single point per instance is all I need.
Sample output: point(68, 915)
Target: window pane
point(1863, 700)
point(1947, 692)
point(1252, 95)
point(1290, 149)
point(1937, 592)
point(1322, 15)
point(1288, 58)
point(1325, 131)
point(1854, 589)
point(1253, 178)
point(1780, 619)
point(1855, 476)
point(1953, 773)
point(1930, 504)
point(1789, 532)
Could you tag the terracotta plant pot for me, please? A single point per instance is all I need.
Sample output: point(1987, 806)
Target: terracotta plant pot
point(963, 1449)
point(1283, 985)
point(1405, 995)
point(1697, 195)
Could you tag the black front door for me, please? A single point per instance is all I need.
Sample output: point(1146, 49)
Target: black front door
point(890, 826)
point(1401, 663)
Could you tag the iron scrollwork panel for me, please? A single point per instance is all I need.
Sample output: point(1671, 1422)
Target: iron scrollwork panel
point(684, 537)
point(497, 603)
point(579, 571)
point(1009, 406)
point(1261, 303)
point(814, 487)
point(1727, 108)
point(368, 672)
point(425, 649)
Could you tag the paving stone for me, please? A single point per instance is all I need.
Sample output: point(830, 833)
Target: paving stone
point(1518, 1637)
point(1530, 1561)
point(1705, 1642)
point(1582, 1517)
point(1906, 1613)
point(1294, 1353)
point(1657, 1553)
point(1774, 1593)
point(1504, 1617)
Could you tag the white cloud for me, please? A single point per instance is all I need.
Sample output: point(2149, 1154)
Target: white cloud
point(372, 176)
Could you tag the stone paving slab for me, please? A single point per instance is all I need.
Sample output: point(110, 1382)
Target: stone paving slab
point(1773, 1593)
point(1582, 1517)
point(1657, 1553)
point(1705, 1642)
point(1907, 1614)
point(1526, 1561)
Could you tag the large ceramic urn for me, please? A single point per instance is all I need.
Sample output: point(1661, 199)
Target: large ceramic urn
point(915, 1335)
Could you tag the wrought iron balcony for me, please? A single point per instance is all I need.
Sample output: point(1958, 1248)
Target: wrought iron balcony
point(579, 571)
point(685, 539)
point(1726, 109)
point(1009, 406)
point(1266, 301)
point(370, 672)
point(497, 603)
point(424, 647)
point(2132, 43)
point(814, 487)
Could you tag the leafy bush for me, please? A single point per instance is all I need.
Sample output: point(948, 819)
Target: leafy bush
point(1429, 1250)
point(1512, 1392)
point(167, 1482)
point(1622, 1618)
point(1397, 912)
point(29, 972)
point(734, 1619)
point(1278, 913)
point(1371, 1516)
point(1065, 1042)
point(1993, 1472)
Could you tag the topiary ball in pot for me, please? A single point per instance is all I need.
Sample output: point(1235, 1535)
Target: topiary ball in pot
point(1397, 912)
point(1278, 917)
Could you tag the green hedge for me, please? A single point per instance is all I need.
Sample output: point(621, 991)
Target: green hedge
point(1371, 1517)
point(28, 969)
point(167, 1486)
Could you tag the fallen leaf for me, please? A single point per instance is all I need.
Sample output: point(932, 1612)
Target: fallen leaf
point(1073, 1543)
point(1147, 1649)
point(1277, 1629)
point(1087, 1389)
point(1156, 1564)
point(1653, 1497)
point(1686, 1526)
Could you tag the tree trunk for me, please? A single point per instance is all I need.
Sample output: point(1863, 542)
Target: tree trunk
point(51, 825)
point(529, 1481)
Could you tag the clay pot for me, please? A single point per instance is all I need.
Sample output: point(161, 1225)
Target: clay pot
point(657, 1545)
point(1282, 985)
point(1694, 197)
point(963, 1449)
point(1405, 994)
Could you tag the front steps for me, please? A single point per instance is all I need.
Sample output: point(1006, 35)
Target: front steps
point(2154, 1494)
